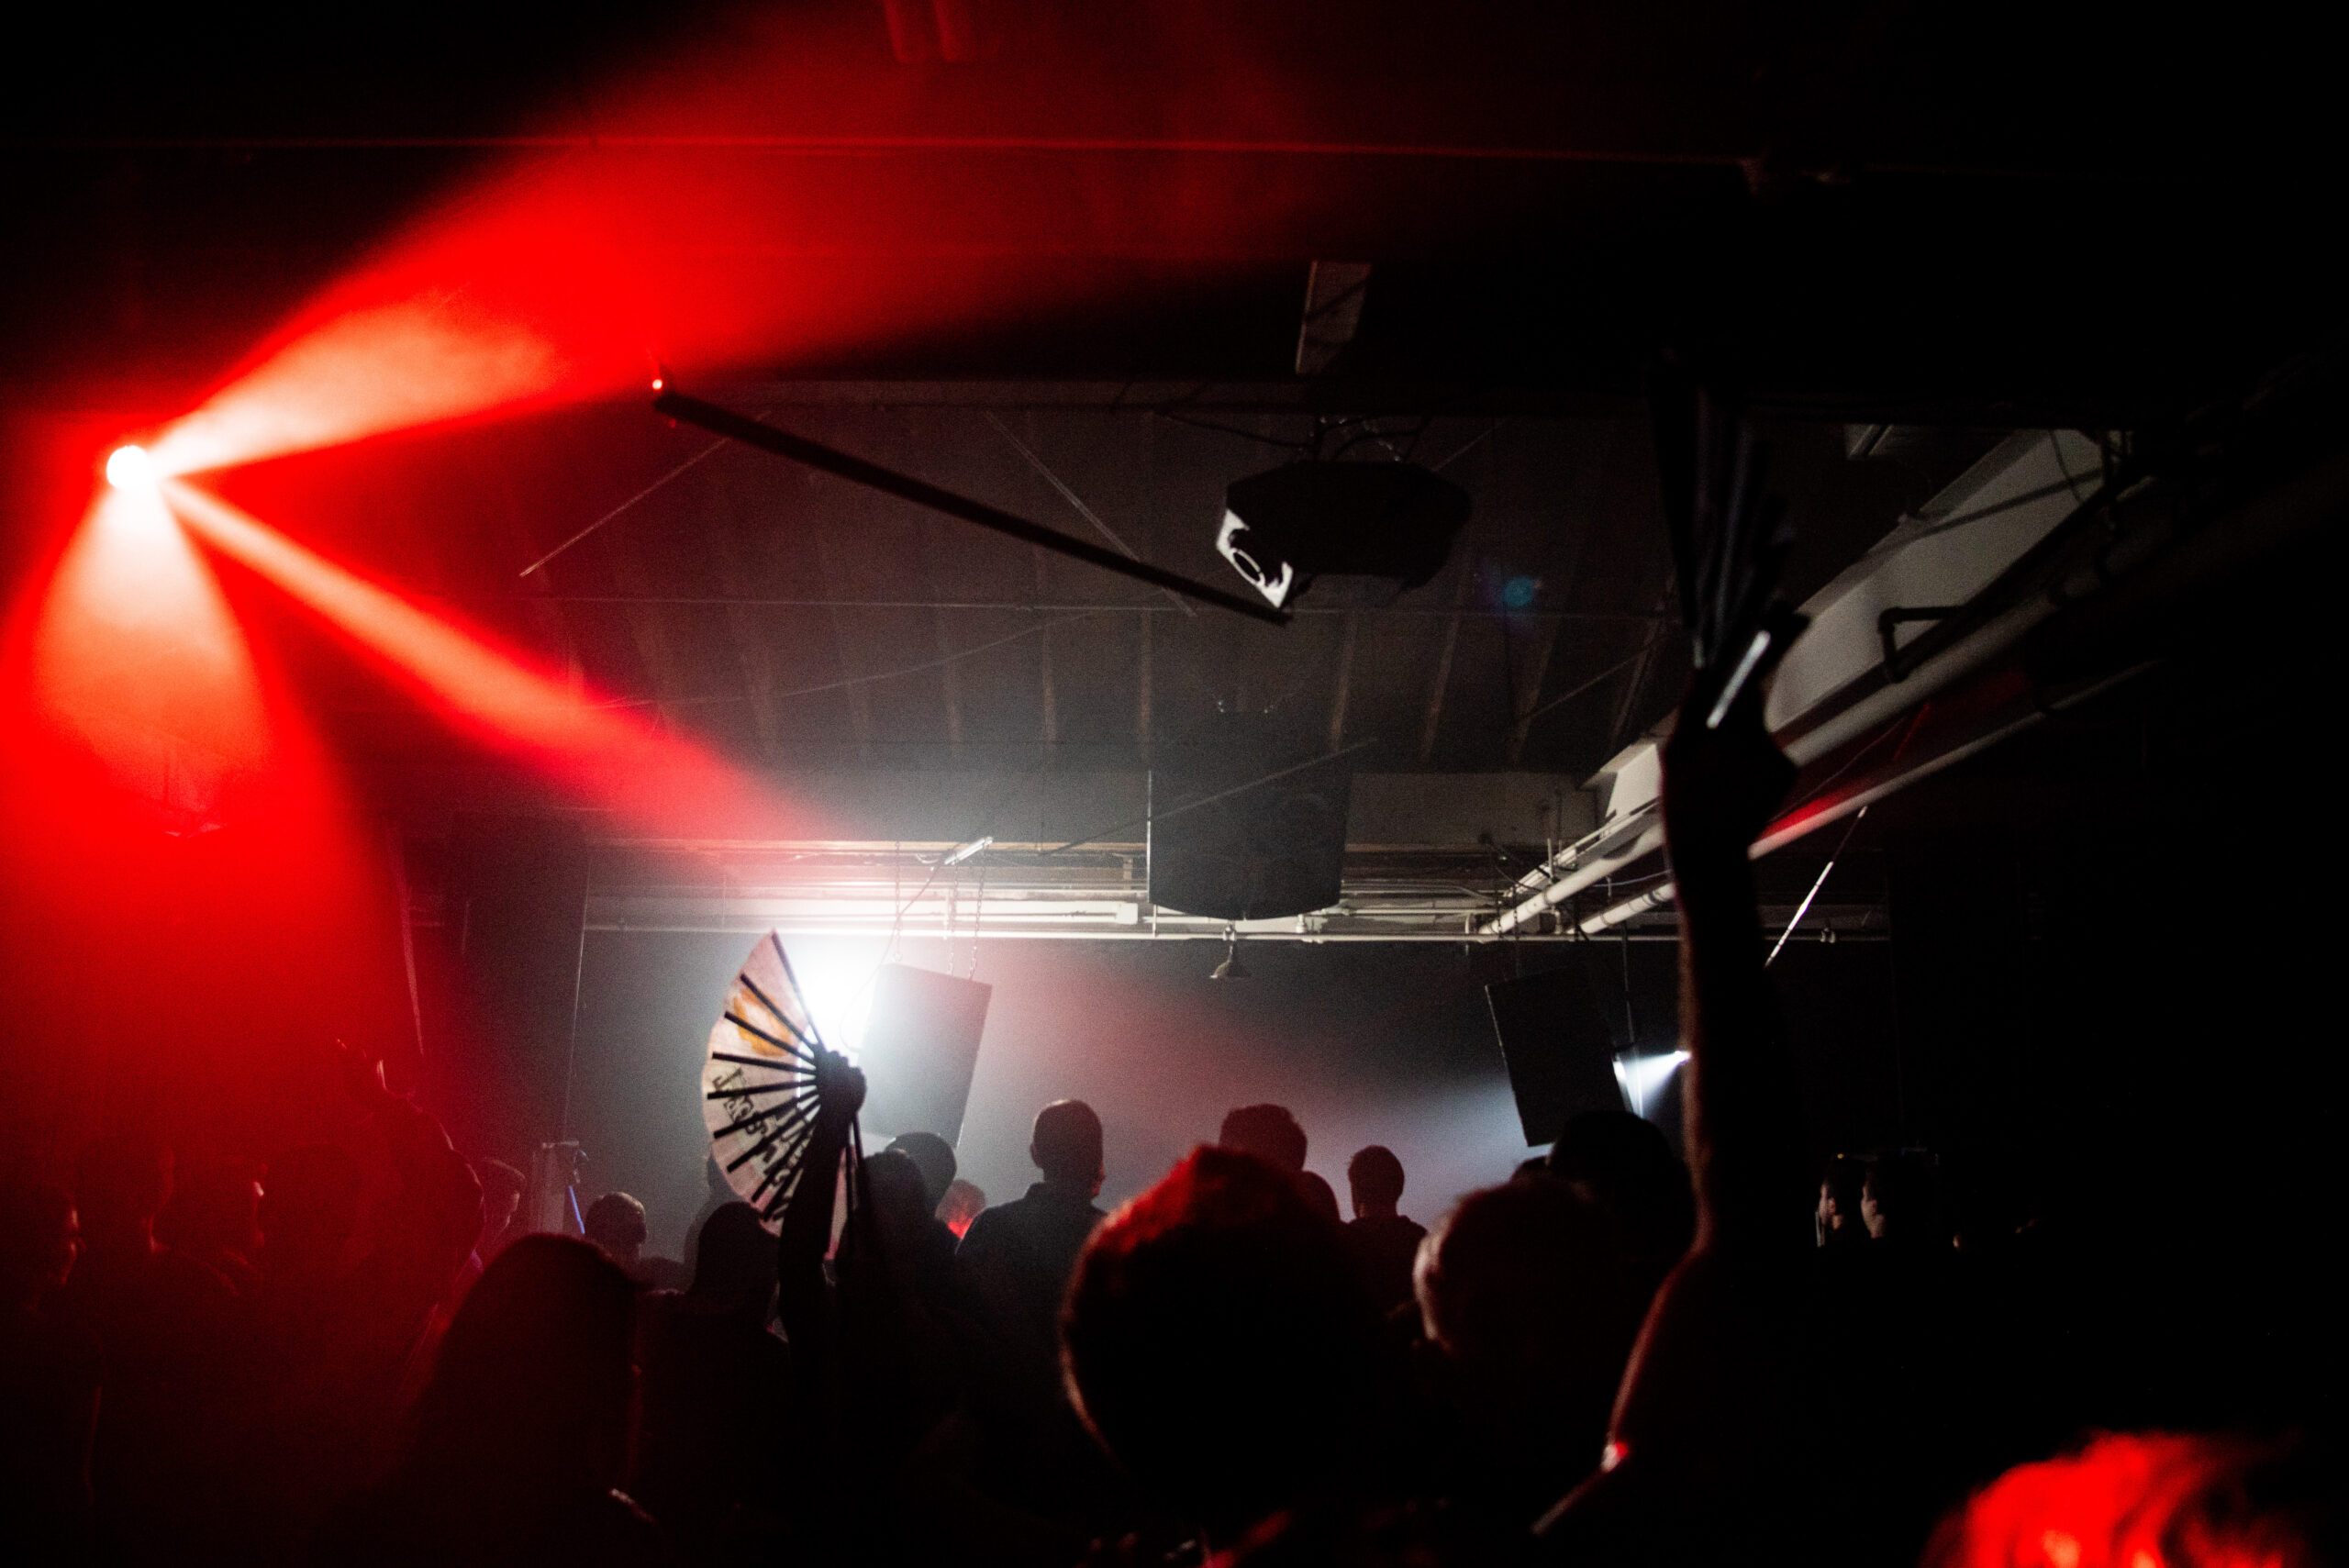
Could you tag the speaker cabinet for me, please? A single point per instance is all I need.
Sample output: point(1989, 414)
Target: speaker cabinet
point(1561, 1053)
point(922, 1046)
point(1231, 848)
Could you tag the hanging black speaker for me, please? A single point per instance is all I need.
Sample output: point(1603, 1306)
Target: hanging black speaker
point(922, 1047)
point(1231, 843)
point(1555, 1036)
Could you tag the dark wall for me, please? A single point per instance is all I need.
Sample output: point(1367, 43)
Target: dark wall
point(2118, 969)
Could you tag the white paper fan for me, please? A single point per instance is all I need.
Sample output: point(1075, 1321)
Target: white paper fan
point(759, 1081)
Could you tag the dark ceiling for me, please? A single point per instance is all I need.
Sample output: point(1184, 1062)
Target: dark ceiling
point(1999, 214)
point(767, 607)
point(1970, 219)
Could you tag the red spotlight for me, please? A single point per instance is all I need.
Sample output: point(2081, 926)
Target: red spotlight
point(129, 468)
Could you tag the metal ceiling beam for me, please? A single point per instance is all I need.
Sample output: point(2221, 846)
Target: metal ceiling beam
point(751, 647)
point(1089, 606)
point(888, 482)
point(1462, 588)
point(1829, 692)
point(1051, 715)
point(1529, 692)
point(853, 690)
point(1077, 504)
point(647, 631)
point(1143, 695)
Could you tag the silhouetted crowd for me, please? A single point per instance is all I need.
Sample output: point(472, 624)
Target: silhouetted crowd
point(1609, 1356)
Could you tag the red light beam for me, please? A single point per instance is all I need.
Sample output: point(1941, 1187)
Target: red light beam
point(656, 780)
point(135, 654)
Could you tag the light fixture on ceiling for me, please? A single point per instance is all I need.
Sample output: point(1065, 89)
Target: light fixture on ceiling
point(964, 851)
point(1231, 968)
point(1395, 520)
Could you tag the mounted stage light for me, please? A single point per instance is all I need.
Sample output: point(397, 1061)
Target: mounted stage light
point(1231, 968)
point(129, 468)
point(1643, 1078)
point(1283, 529)
point(964, 851)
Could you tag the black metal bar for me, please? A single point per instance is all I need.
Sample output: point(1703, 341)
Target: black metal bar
point(781, 1044)
point(784, 1171)
point(755, 1120)
point(786, 1065)
point(856, 471)
point(794, 1120)
point(792, 1084)
point(767, 1002)
point(813, 1037)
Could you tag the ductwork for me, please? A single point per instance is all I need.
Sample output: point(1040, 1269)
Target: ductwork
point(2065, 607)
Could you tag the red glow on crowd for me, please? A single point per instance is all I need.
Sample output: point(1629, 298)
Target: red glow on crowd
point(658, 782)
point(2153, 1500)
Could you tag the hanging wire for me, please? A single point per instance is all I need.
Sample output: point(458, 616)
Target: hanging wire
point(1804, 907)
point(978, 918)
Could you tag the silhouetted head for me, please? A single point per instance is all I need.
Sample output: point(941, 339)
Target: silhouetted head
point(1375, 1177)
point(501, 1193)
point(1218, 1340)
point(1320, 1195)
point(1269, 1132)
point(530, 1396)
point(309, 1204)
point(616, 1223)
point(41, 1239)
point(964, 1201)
point(1897, 1199)
point(1066, 1145)
point(734, 1259)
point(1525, 1289)
point(1624, 1165)
point(901, 1203)
point(933, 1156)
point(119, 1185)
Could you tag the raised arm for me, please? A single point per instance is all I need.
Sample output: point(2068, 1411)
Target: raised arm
point(1700, 1444)
point(1720, 789)
point(807, 1220)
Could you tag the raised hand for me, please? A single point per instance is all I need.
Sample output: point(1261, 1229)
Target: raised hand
point(1724, 781)
point(840, 1087)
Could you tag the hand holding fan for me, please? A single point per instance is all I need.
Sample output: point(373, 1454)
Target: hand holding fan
point(767, 1075)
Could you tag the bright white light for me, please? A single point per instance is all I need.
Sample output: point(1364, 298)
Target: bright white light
point(1642, 1078)
point(130, 468)
point(836, 979)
